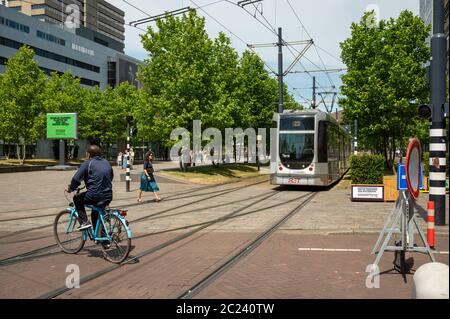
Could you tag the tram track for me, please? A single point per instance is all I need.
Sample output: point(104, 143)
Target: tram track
point(157, 215)
point(30, 255)
point(169, 198)
point(213, 276)
point(61, 290)
point(127, 198)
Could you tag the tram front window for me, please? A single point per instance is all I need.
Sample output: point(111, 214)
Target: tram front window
point(296, 149)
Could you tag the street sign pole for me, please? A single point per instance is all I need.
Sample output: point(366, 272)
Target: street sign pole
point(60, 127)
point(401, 220)
point(128, 177)
point(62, 152)
point(437, 130)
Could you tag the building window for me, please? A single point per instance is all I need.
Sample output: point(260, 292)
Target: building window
point(39, 16)
point(15, 25)
point(3, 60)
point(51, 38)
point(19, 8)
point(102, 42)
point(83, 81)
point(38, 6)
point(50, 55)
point(112, 74)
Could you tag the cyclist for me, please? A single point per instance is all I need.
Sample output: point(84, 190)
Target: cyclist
point(97, 175)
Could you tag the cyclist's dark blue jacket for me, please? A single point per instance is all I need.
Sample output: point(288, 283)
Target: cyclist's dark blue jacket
point(97, 175)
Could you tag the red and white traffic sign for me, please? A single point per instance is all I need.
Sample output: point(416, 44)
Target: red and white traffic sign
point(412, 167)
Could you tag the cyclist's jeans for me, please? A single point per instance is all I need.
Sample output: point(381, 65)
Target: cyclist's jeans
point(79, 200)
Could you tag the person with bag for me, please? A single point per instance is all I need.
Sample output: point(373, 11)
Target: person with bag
point(148, 182)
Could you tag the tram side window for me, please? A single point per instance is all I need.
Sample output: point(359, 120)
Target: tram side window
point(332, 142)
point(322, 155)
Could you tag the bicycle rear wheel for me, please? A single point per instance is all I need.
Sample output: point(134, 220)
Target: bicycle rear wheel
point(68, 238)
point(118, 248)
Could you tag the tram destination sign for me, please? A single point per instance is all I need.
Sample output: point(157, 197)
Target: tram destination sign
point(62, 126)
point(368, 193)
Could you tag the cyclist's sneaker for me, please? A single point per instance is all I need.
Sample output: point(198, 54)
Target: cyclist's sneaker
point(84, 225)
point(106, 244)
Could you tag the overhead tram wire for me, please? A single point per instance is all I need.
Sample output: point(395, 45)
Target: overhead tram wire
point(232, 33)
point(132, 5)
point(330, 54)
point(315, 46)
point(288, 45)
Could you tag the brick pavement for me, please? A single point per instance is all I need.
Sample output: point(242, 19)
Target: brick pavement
point(166, 273)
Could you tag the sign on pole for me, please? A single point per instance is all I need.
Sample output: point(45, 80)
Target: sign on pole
point(412, 167)
point(62, 125)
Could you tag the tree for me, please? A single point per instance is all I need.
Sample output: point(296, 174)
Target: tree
point(104, 113)
point(21, 109)
point(385, 80)
point(192, 77)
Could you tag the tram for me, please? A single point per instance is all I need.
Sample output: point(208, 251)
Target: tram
point(311, 149)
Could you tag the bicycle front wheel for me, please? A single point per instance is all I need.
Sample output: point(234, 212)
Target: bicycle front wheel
point(68, 238)
point(117, 249)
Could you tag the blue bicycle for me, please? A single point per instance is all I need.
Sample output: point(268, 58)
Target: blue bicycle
point(111, 231)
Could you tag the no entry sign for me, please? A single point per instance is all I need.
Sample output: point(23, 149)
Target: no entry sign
point(412, 167)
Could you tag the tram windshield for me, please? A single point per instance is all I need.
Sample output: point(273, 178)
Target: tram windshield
point(296, 149)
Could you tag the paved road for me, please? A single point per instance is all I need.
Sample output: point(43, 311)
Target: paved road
point(282, 267)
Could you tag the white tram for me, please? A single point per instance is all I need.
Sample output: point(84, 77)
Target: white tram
point(311, 149)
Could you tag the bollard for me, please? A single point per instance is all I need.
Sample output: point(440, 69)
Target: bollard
point(430, 227)
point(430, 281)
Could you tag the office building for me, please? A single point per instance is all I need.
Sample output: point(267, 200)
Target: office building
point(57, 49)
point(95, 15)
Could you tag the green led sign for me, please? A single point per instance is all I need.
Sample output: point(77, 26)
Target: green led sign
point(62, 125)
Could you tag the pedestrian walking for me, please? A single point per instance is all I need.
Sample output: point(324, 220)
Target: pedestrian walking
point(119, 159)
point(131, 157)
point(148, 182)
point(125, 159)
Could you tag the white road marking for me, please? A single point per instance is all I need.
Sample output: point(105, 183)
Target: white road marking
point(330, 249)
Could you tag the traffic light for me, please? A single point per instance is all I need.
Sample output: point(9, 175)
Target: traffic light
point(129, 118)
point(424, 111)
point(133, 131)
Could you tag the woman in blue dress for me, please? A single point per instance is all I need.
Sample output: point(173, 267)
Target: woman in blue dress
point(148, 182)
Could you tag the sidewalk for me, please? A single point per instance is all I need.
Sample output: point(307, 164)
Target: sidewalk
point(333, 212)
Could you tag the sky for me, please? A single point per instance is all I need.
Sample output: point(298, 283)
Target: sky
point(327, 22)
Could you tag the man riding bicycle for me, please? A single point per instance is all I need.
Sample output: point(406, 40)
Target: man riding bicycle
point(97, 175)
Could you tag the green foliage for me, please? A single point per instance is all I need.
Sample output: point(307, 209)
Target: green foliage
point(426, 163)
point(367, 169)
point(386, 81)
point(104, 113)
point(21, 109)
point(188, 76)
point(192, 77)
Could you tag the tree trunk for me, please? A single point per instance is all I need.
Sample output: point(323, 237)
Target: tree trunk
point(393, 148)
point(385, 146)
point(18, 151)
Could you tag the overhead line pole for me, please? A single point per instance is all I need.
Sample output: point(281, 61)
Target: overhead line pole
point(280, 71)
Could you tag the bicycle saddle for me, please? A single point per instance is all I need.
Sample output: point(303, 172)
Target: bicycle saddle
point(102, 203)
